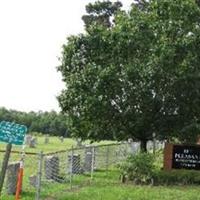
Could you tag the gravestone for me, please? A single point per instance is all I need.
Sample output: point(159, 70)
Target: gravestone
point(52, 167)
point(28, 139)
point(74, 164)
point(88, 148)
point(12, 174)
point(46, 139)
point(33, 180)
point(161, 145)
point(88, 162)
point(89, 151)
point(61, 139)
point(134, 147)
point(150, 145)
point(36, 140)
point(79, 143)
point(130, 140)
point(32, 143)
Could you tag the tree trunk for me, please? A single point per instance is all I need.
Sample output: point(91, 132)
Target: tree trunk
point(143, 146)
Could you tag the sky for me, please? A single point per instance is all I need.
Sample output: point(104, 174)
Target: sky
point(32, 33)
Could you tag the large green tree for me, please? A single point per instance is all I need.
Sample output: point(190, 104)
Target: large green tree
point(176, 64)
point(137, 77)
point(100, 13)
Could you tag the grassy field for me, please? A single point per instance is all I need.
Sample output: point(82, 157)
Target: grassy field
point(31, 162)
point(128, 192)
point(105, 185)
point(54, 145)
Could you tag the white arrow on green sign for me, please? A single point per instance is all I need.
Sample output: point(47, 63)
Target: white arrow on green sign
point(12, 133)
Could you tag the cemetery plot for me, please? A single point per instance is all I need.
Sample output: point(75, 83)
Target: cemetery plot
point(69, 169)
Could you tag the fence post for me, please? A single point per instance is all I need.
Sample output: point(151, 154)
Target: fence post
point(92, 164)
point(39, 177)
point(20, 175)
point(154, 143)
point(67, 164)
point(4, 166)
point(107, 158)
point(71, 167)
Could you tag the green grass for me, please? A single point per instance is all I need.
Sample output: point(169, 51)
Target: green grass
point(121, 192)
point(53, 145)
point(105, 185)
point(31, 162)
point(128, 192)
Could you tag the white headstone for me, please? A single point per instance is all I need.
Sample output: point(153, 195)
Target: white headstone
point(134, 147)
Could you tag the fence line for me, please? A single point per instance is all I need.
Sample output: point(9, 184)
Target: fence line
point(19, 152)
point(48, 174)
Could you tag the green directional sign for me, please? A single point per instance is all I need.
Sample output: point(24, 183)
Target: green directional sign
point(12, 133)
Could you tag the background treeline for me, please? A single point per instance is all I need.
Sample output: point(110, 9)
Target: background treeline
point(51, 123)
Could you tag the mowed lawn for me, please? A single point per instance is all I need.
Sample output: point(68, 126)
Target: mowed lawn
point(104, 186)
point(54, 145)
point(131, 192)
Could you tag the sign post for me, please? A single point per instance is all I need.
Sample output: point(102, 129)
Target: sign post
point(10, 133)
point(4, 165)
point(20, 176)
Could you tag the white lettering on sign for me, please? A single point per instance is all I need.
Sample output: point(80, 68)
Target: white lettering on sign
point(12, 132)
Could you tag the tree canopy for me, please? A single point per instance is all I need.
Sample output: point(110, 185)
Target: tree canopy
point(136, 77)
point(51, 123)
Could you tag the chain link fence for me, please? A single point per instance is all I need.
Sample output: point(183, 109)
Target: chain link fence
point(30, 162)
point(47, 176)
point(69, 170)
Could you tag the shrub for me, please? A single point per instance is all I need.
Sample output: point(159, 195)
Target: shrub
point(138, 168)
point(176, 177)
point(144, 168)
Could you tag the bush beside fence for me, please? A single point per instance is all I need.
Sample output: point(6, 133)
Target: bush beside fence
point(49, 174)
